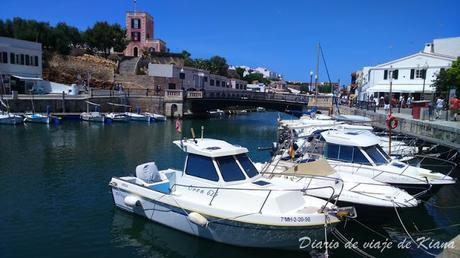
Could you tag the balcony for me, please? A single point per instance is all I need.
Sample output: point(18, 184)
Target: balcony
point(194, 94)
point(174, 95)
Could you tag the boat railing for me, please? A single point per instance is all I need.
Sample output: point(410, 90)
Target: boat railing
point(269, 191)
point(446, 162)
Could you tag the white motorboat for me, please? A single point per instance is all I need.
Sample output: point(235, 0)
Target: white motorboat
point(155, 117)
point(37, 118)
point(10, 118)
point(219, 195)
point(118, 117)
point(261, 109)
point(138, 117)
point(92, 117)
point(216, 113)
point(364, 193)
point(307, 126)
point(358, 152)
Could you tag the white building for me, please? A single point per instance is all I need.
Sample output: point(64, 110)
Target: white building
point(267, 74)
point(259, 87)
point(168, 76)
point(21, 69)
point(411, 75)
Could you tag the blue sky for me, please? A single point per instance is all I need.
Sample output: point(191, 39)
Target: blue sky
point(280, 35)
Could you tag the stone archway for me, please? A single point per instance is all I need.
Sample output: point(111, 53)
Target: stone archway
point(173, 110)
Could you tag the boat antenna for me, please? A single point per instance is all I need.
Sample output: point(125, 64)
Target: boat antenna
point(193, 134)
point(202, 132)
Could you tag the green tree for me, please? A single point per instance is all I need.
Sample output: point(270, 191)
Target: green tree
point(250, 78)
point(449, 78)
point(119, 39)
point(240, 71)
point(103, 36)
point(65, 37)
point(218, 65)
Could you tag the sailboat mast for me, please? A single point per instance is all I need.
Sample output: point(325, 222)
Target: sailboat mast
point(317, 75)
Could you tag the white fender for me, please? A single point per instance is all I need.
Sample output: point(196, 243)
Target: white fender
point(198, 219)
point(132, 200)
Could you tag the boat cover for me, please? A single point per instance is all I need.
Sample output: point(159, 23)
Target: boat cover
point(318, 168)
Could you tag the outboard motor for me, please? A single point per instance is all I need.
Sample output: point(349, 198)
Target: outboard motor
point(148, 172)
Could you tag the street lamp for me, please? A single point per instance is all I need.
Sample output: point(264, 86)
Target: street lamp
point(311, 81)
point(425, 68)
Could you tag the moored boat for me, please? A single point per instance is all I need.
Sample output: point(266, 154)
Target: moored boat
point(37, 118)
point(92, 117)
point(10, 118)
point(368, 196)
point(155, 117)
point(219, 195)
point(358, 152)
point(138, 117)
point(118, 117)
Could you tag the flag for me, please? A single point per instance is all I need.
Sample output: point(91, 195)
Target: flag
point(178, 126)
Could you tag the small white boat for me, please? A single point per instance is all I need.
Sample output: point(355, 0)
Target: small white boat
point(260, 109)
point(364, 193)
point(138, 117)
point(220, 196)
point(216, 113)
point(10, 118)
point(37, 118)
point(155, 117)
point(92, 117)
point(358, 152)
point(118, 117)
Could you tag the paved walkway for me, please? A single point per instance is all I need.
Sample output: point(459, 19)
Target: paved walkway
point(406, 114)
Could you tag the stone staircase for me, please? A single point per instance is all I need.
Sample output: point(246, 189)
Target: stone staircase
point(128, 66)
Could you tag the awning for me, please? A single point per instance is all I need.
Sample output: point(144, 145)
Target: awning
point(27, 78)
point(401, 88)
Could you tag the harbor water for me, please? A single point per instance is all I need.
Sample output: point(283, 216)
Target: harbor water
point(56, 201)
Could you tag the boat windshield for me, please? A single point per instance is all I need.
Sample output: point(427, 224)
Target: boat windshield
point(229, 169)
point(247, 165)
point(202, 167)
point(375, 155)
point(350, 154)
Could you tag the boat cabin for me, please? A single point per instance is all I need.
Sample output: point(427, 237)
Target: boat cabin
point(353, 146)
point(217, 162)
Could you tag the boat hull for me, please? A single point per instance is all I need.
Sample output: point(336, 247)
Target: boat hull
point(38, 119)
point(373, 213)
point(222, 230)
point(93, 119)
point(11, 120)
point(414, 189)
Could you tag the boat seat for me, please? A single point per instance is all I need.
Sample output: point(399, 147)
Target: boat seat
point(148, 172)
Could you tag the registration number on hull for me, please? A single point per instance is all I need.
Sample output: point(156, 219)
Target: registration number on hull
point(295, 219)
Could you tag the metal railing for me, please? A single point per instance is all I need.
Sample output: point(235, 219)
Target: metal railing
point(269, 191)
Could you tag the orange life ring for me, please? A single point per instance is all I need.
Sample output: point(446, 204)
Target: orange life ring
point(392, 122)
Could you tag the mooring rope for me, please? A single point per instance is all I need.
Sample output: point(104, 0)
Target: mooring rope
point(438, 228)
point(344, 240)
point(409, 235)
point(370, 229)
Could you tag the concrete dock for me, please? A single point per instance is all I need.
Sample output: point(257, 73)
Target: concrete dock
point(440, 131)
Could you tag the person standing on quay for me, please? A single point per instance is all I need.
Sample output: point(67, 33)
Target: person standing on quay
point(386, 103)
point(439, 106)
